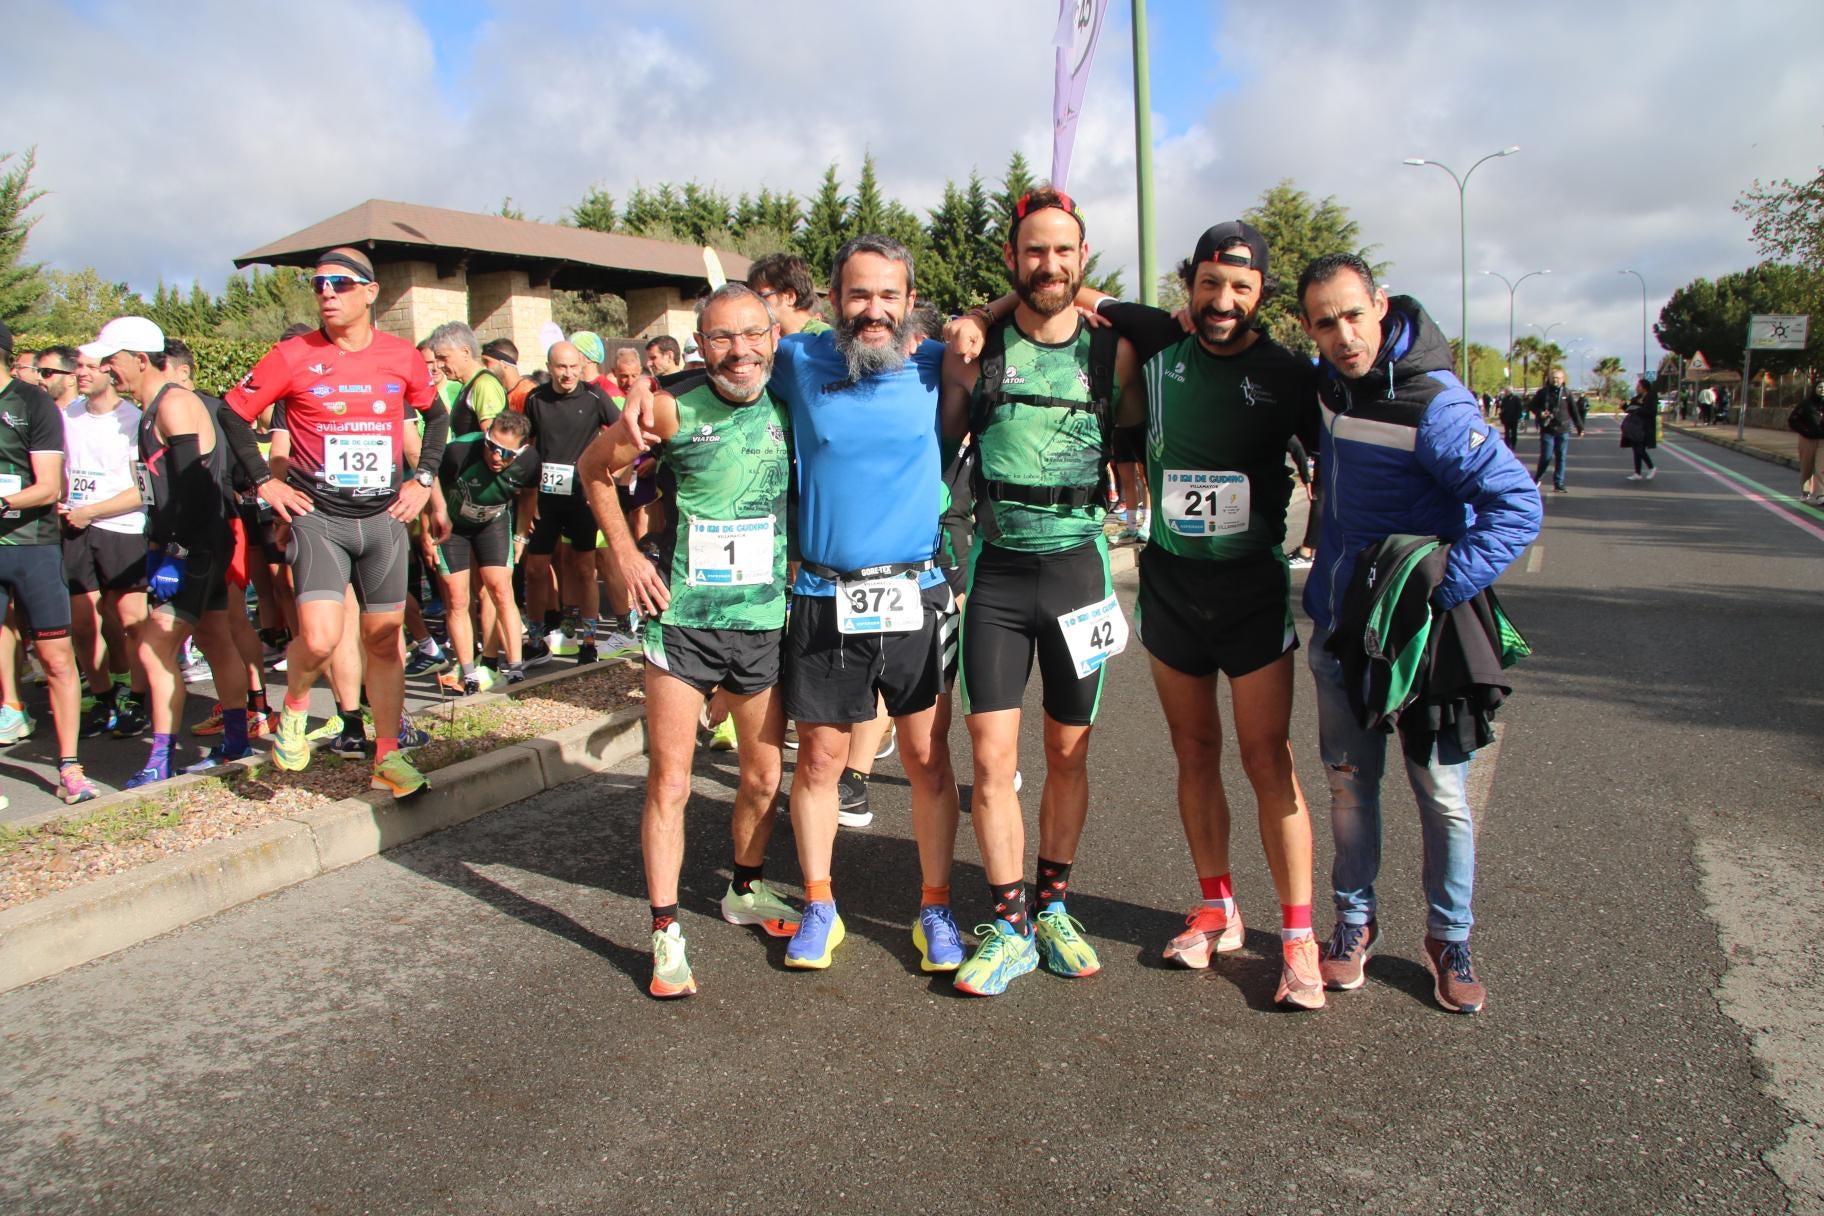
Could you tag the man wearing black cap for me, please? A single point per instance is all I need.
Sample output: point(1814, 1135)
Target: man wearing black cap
point(31, 561)
point(1215, 587)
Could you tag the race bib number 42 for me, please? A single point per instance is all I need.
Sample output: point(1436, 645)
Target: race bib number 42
point(1094, 635)
point(1202, 502)
point(879, 605)
point(731, 552)
point(358, 462)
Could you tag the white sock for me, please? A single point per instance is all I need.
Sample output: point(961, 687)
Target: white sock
point(1226, 906)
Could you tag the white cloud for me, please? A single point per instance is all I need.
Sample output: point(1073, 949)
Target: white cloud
point(174, 136)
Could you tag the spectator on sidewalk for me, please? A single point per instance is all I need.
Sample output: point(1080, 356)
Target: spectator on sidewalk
point(1807, 421)
point(1640, 428)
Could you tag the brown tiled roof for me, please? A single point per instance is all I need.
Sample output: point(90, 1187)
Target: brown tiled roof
point(570, 258)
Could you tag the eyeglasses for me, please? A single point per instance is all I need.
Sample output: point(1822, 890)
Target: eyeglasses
point(501, 450)
point(765, 293)
point(723, 339)
point(56, 371)
point(1054, 198)
point(342, 284)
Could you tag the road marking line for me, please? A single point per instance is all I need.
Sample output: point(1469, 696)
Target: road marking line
point(1535, 559)
point(1770, 500)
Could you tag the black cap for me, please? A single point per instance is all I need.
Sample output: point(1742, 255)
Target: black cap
point(1224, 243)
point(6, 340)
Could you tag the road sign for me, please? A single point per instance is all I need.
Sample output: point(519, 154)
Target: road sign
point(1777, 331)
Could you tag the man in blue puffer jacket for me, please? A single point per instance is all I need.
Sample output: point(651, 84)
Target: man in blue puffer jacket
point(1405, 449)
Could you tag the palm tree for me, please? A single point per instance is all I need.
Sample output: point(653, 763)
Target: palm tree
point(1525, 350)
point(1551, 357)
point(1608, 373)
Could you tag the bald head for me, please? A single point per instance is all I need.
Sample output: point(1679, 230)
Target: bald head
point(565, 363)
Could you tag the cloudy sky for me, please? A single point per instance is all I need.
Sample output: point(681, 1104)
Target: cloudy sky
point(172, 136)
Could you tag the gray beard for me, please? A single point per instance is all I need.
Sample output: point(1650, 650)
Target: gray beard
point(864, 360)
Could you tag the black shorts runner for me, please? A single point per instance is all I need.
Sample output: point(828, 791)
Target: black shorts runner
point(258, 520)
point(329, 553)
point(491, 546)
point(1015, 600)
point(205, 587)
point(32, 577)
point(742, 661)
point(1129, 444)
point(562, 516)
point(832, 677)
point(95, 559)
point(1199, 617)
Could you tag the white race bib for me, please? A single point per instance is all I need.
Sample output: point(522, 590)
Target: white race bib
point(1094, 634)
point(1199, 502)
point(142, 477)
point(358, 462)
point(85, 486)
point(731, 552)
point(475, 513)
point(10, 483)
point(557, 479)
point(879, 605)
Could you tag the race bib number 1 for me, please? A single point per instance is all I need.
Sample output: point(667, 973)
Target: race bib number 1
point(879, 605)
point(358, 462)
point(1094, 635)
point(557, 479)
point(731, 552)
point(1201, 502)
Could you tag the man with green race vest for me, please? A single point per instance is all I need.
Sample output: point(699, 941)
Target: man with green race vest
point(713, 606)
point(1040, 406)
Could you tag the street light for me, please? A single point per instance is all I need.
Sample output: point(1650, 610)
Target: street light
point(1507, 372)
point(1643, 320)
point(1463, 236)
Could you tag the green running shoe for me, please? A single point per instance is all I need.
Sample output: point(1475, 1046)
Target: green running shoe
point(291, 750)
point(1002, 957)
point(671, 975)
point(15, 724)
point(760, 906)
point(329, 730)
point(1061, 944)
point(396, 776)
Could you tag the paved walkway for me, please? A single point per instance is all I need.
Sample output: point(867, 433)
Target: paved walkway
point(1778, 446)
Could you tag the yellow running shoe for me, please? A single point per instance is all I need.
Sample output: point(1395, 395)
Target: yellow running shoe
point(291, 750)
point(396, 776)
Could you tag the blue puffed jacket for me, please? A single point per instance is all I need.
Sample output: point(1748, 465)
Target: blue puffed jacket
point(1405, 449)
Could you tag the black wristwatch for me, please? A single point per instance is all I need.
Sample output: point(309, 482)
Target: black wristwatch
point(424, 477)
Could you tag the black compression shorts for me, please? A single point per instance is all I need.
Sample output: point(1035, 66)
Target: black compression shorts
point(329, 553)
point(1015, 600)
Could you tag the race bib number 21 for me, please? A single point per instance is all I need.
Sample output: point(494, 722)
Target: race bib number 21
point(1204, 502)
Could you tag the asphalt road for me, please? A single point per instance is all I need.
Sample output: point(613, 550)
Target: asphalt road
point(461, 1026)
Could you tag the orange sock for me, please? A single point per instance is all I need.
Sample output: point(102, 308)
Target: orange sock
point(817, 890)
point(933, 895)
point(385, 747)
point(299, 706)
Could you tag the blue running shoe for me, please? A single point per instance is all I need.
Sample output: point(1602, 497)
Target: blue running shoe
point(411, 736)
point(939, 942)
point(217, 757)
point(819, 933)
point(1003, 956)
point(146, 776)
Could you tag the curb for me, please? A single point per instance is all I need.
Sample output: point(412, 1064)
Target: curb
point(76, 926)
point(1734, 445)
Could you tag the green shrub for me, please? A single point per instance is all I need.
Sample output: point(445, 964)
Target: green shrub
point(219, 361)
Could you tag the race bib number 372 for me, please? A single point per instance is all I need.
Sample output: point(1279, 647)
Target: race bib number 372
point(879, 605)
point(1204, 502)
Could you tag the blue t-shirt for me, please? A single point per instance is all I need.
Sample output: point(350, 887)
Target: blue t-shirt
point(868, 466)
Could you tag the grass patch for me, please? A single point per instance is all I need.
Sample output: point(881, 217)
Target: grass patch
point(116, 825)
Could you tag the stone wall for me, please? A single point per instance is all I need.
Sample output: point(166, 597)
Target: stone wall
point(414, 300)
point(504, 304)
point(652, 311)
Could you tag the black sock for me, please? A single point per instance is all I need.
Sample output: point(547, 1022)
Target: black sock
point(857, 776)
point(64, 762)
point(256, 702)
point(745, 877)
point(492, 664)
point(553, 620)
point(352, 726)
point(1054, 882)
point(1010, 906)
point(663, 916)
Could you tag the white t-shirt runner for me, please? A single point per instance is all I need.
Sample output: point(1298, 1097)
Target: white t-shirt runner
point(98, 455)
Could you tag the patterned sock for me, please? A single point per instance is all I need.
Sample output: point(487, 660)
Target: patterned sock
point(746, 877)
point(663, 916)
point(1010, 906)
point(927, 896)
point(1053, 884)
point(160, 758)
point(1294, 922)
point(234, 730)
point(1218, 892)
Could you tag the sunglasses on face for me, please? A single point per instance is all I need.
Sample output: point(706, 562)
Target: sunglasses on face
point(501, 450)
point(341, 284)
point(56, 371)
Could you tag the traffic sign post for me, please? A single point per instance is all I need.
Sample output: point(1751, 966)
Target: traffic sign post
point(1768, 331)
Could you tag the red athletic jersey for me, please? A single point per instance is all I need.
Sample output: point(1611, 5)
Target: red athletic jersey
point(345, 412)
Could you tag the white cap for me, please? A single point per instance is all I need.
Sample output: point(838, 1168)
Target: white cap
point(126, 333)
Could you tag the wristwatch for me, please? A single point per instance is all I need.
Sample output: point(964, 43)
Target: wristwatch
point(423, 477)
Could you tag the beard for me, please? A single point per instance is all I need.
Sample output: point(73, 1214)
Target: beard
point(1210, 318)
point(865, 359)
point(1047, 296)
point(719, 376)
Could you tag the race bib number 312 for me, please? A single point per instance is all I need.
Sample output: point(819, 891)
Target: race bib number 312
point(1204, 502)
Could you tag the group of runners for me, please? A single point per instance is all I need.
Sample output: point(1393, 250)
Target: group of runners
point(851, 519)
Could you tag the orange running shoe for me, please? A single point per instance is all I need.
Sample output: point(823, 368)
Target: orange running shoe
point(1207, 931)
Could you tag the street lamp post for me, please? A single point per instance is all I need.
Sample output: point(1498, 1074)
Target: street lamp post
point(1507, 371)
point(1643, 320)
point(1463, 237)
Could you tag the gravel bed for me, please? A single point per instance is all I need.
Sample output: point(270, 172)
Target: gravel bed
point(40, 861)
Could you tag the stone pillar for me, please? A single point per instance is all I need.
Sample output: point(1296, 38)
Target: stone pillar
point(652, 311)
point(413, 300)
point(503, 304)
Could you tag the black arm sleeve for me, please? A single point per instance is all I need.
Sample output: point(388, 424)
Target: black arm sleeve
point(1150, 330)
point(436, 435)
point(1300, 459)
point(199, 499)
point(244, 445)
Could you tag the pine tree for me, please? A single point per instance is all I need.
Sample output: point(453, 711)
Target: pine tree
point(825, 228)
point(1017, 181)
point(595, 212)
point(22, 283)
point(867, 210)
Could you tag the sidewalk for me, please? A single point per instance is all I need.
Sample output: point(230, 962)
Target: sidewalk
point(1780, 447)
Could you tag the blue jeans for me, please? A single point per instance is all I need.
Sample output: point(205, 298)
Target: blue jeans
point(1354, 761)
point(1551, 451)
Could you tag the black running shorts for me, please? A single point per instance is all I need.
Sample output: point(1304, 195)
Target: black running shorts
point(1199, 617)
point(31, 576)
point(490, 546)
point(1015, 600)
point(205, 587)
point(741, 661)
point(95, 559)
point(832, 677)
point(564, 517)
